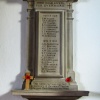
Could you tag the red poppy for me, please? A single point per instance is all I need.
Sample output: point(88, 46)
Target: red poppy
point(27, 77)
point(68, 79)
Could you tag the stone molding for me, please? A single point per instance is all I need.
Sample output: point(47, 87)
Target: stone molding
point(53, 0)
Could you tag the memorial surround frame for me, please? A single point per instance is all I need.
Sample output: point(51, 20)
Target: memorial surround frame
point(68, 91)
point(65, 7)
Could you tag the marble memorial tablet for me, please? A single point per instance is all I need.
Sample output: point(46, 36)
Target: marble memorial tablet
point(49, 44)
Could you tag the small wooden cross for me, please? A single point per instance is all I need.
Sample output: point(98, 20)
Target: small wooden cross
point(69, 5)
point(27, 77)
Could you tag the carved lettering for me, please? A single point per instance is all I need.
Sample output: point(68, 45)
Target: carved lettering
point(50, 4)
point(49, 43)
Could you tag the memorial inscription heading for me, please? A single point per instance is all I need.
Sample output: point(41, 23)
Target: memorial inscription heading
point(50, 4)
point(49, 41)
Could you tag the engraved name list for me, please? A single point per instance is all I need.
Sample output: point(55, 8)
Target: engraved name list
point(49, 43)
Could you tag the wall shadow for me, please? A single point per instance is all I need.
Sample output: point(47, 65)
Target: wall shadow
point(17, 84)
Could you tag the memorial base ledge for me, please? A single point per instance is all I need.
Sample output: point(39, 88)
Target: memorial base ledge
point(58, 95)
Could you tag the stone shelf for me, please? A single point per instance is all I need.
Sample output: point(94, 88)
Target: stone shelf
point(64, 95)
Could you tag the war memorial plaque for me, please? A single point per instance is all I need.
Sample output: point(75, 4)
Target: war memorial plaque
point(49, 44)
point(53, 42)
point(50, 72)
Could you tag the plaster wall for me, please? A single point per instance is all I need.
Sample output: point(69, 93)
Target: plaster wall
point(13, 47)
